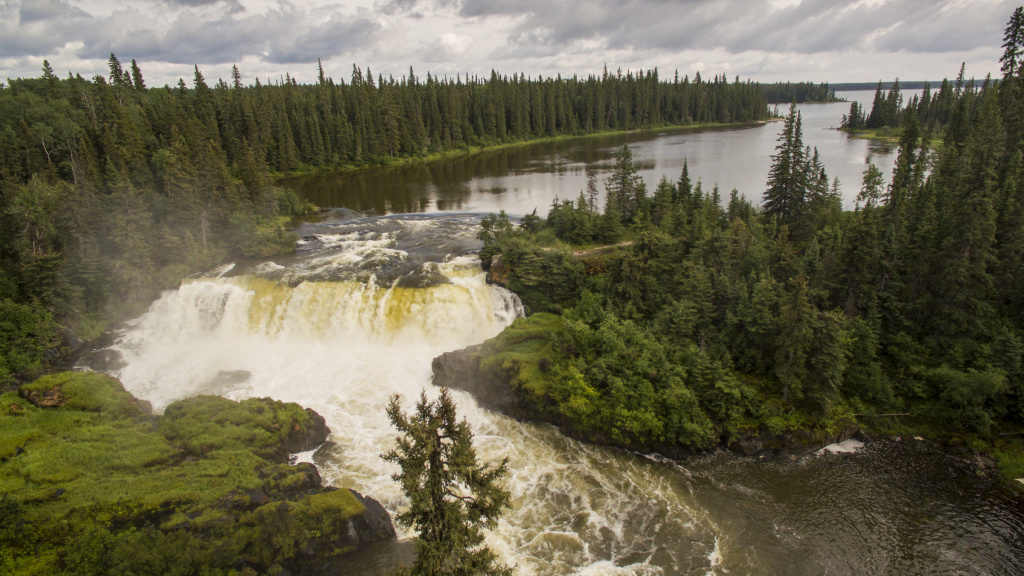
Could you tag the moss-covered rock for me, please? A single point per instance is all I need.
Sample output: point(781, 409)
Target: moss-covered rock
point(268, 427)
point(92, 483)
point(505, 373)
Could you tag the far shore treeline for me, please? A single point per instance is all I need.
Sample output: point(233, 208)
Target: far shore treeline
point(111, 190)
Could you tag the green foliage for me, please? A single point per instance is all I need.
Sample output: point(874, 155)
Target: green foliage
point(289, 204)
point(796, 315)
point(260, 238)
point(966, 399)
point(452, 497)
point(91, 483)
point(26, 333)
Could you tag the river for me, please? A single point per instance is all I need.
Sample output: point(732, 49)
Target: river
point(369, 298)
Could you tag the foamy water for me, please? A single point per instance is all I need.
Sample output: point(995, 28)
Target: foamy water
point(344, 347)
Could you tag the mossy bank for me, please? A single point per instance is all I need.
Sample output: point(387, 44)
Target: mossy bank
point(92, 483)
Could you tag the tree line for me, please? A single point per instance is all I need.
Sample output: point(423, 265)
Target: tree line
point(933, 110)
point(111, 190)
point(722, 315)
point(799, 92)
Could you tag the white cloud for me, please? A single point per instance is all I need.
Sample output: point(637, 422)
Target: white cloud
point(448, 47)
point(820, 40)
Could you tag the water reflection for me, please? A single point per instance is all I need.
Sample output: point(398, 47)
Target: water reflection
point(522, 178)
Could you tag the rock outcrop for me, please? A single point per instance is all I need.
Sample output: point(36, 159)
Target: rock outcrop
point(461, 370)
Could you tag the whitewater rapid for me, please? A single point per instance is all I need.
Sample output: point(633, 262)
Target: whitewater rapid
point(358, 316)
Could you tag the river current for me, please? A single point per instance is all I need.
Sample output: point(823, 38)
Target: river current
point(364, 305)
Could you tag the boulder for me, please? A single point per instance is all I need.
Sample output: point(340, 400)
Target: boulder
point(498, 271)
point(460, 369)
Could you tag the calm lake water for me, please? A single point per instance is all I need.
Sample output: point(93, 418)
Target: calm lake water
point(523, 178)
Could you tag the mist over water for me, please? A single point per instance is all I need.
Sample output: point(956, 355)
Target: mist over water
point(364, 305)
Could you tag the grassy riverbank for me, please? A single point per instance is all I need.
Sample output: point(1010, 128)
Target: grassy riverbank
point(887, 135)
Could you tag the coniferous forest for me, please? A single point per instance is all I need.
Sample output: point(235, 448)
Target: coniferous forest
point(113, 190)
point(709, 318)
point(929, 110)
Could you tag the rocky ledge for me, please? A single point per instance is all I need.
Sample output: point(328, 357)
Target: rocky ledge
point(106, 486)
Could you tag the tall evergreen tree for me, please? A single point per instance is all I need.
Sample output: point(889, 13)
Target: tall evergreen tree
point(452, 497)
point(787, 179)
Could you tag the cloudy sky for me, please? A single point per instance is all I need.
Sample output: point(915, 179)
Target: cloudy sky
point(764, 40)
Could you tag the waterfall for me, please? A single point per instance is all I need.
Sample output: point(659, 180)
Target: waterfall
point(358, 317)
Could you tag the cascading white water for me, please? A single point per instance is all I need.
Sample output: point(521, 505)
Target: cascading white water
point(339, 331)
point(362, 309)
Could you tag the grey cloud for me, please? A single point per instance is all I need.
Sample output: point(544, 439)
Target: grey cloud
point(396, 6)
point(287, 35)
point(42, 10)
point(960, 27)
point(233, 6)
point(413, 8)
point(38, 28)
point(193, 2)
point(741, 25)
point(441, 51)
point(334, 37)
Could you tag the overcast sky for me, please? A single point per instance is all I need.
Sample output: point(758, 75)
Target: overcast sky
point(763, 40)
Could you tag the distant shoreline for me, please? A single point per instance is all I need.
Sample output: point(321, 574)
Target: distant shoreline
point(886, 85)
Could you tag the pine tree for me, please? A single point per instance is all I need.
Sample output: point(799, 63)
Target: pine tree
point(137, 82)
point(116, 72)
point(876, 118)
point(1013, 44)
point(787, 180)
point(623, 186)
point(452, 497)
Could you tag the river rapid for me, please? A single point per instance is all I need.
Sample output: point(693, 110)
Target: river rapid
point(366, 302)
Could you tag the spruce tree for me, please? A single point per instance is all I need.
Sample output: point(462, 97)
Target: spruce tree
point(787, 180)
point(137, 82)
point(622, 192)
point(452, 497)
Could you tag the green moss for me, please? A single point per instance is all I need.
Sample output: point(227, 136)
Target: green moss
point(1010, 457)
point(94, 468)
point(88, 391)
point(208, 423)
point(522, 350)
point(339, 503)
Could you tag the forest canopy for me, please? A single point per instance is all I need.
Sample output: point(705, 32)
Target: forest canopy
point(710, 316)
point(111, 190)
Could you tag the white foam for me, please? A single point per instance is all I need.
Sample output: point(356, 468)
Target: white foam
point(845, 447)
point(344, 348)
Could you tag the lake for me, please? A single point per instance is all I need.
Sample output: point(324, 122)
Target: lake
point(523, 178)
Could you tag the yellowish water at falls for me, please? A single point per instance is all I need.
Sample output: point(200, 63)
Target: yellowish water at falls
point(343, 347)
